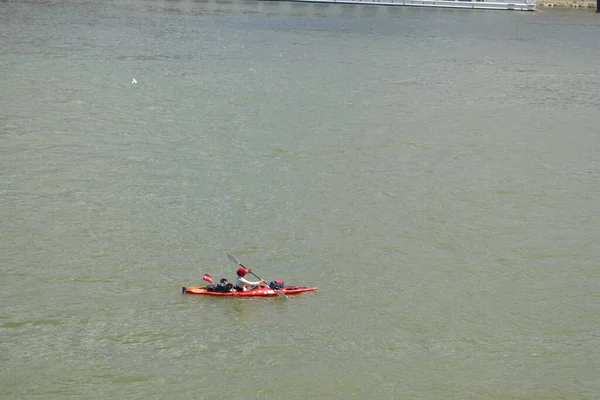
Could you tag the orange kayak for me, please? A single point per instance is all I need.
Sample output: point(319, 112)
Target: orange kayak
point(262, 291)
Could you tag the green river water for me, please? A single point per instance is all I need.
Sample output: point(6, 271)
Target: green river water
point(436, 173)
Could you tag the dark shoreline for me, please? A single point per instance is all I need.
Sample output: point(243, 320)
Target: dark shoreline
point(566, 4)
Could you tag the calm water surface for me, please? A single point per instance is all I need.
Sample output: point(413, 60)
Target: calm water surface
point(436, 173)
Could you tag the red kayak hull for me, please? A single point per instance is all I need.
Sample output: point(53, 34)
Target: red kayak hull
point(263, 291)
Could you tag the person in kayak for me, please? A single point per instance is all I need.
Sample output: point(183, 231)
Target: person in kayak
point(224, 286)
point(242, 284)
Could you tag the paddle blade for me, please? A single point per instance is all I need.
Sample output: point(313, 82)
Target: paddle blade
point(232, 258)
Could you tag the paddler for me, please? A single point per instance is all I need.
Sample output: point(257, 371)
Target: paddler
point(242, 284)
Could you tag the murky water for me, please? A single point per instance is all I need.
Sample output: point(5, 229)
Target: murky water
point(434, 172)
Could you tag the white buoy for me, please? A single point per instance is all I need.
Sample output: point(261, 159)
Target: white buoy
point(133, 81)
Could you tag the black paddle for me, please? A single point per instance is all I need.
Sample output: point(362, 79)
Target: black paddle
point(279, 292)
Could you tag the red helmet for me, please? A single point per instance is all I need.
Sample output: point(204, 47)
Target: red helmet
point(241, 271)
